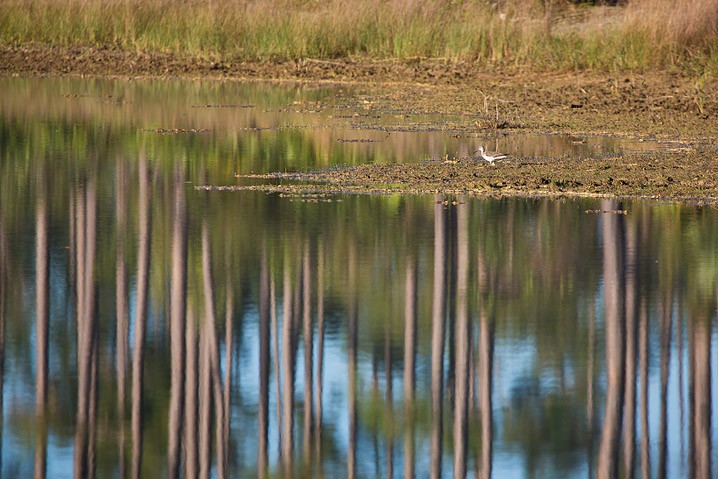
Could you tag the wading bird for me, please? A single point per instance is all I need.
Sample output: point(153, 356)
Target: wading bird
point(489, 158)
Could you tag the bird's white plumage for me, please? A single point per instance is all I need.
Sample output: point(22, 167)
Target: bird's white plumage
point(489, 158)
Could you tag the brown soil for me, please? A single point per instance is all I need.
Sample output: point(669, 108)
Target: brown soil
point(667, 105)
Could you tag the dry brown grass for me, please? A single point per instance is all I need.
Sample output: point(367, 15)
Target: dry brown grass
point(544, 34)
point(679, 23)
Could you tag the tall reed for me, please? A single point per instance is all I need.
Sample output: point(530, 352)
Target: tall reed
point(675, 30)
point(644, 34)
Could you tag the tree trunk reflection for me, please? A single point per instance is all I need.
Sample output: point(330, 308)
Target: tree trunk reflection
point(352, 330)
point(590, 382)
point(178, 291)
point(205, 401)
point(122, 311)
point(288, 365)
point(665, 324)
point(143, 266)
point(86, 249)
point(388, 401)
point(643, 354)
point(229, 354)
point(191, 401)
point(211, 379)
point(437, 337)
point(486, 361)
point(629, 440)
point(614, 287)
point(409, 365)
point(462, 336)
point(275, 348)
point(320, 354)
point(701, 407)
point(42, 300)
point(4, 276)
point(308, 330)
point(526, 318)
point(264, 360)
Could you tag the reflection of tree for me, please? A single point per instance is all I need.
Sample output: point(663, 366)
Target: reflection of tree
point(352, 330)
point(264, 359)
point(211, 380)
point(191, 400)
point(288, 367)
point(308, 331)
point(227, 391)
point(486, 361)
point(319, 378)
point(205, 369)
point(536, 292)
point(143, 266)
point(614, 247)
point(547, 424)
point(462, 335)
point(275, 348)
point(388, 400)
point(701, 404)
point(42, 299)
point(631, 309)
point(122, 310)
point(590, 384)
point(409, 366)
point(274, 149)
point(665, 325)
point(643, 365)
point(86, 211)
point(178, 291)
point(680, 348)
point(3, 294)
point(437, 337)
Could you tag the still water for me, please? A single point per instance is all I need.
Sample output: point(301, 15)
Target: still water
point(148, 328)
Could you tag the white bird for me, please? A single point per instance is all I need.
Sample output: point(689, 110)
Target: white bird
point(490, 158)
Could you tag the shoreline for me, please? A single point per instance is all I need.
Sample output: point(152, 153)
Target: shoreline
point(664, 105)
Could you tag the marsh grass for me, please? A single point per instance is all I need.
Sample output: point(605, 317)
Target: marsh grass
point(643, 34)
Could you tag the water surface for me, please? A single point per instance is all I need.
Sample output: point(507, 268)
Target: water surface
point(150, 328)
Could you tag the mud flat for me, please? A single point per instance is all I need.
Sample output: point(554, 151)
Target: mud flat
point(685, 175)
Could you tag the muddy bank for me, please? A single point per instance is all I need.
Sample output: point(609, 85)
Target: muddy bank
point(680, 107)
